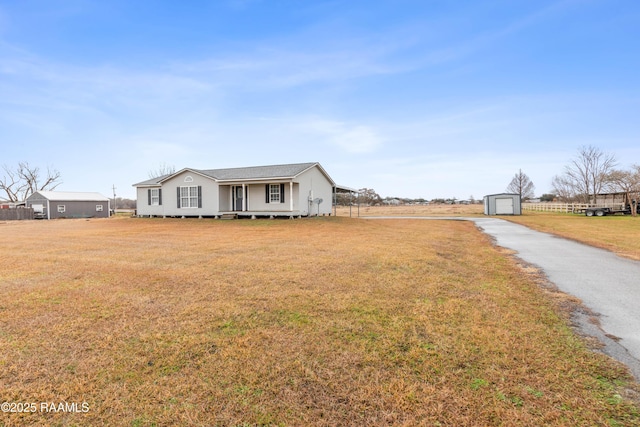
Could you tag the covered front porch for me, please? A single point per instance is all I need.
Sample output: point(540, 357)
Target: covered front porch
point(260, 199)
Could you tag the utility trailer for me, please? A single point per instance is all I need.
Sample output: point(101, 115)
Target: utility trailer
point(610, 211)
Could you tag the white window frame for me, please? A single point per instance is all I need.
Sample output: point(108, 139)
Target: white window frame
point(155, 197)
point(274, 193)
point(99, 208)
point(189, 197)
point(62, 208)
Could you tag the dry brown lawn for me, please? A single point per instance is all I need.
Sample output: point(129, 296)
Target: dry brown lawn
point(323, 322)
point(412, 210)
point(619, 234)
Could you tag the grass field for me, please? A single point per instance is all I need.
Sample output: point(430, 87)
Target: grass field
point(619, 234)
point(323, 321)
point(412, 210)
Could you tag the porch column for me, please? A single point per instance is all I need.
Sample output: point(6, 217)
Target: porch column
point(244, 199)
point(291, 196)
point(231, 190)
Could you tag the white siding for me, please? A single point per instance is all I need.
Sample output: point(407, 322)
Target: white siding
point(169, 206)
point(314, 184)
point(143, 207)
point(189, 179)
point(258, 198)
point(224, 198)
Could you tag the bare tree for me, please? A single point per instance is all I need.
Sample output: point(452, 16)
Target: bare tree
point(627, 182)
point(20, 183)
point(163, 169)
point(563, 188)
point(586, 175)
point(522, 185)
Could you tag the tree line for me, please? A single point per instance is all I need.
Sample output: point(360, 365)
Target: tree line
point(590, 173)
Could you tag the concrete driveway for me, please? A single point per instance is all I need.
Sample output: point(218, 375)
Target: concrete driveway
point(607, 284)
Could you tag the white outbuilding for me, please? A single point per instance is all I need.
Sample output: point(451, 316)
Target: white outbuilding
point(502, 204)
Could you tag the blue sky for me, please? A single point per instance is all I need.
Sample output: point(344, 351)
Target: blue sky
point(411, 98)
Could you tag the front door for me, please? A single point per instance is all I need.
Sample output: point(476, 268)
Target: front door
point(238, 196)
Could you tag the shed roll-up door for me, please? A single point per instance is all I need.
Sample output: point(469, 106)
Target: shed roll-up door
point(504, 206)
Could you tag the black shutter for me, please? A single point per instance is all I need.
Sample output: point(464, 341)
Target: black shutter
point(149, 197)
point(178, 188)
point(199, 196)
point(266, 200)
point(281, 193)
point(159, 196)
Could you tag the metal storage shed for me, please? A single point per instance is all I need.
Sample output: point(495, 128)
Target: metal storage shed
point(502, 204)
point(62, 204)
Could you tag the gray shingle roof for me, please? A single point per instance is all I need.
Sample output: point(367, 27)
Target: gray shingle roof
point(152, 181)
point(246, 173)
point(258, 172)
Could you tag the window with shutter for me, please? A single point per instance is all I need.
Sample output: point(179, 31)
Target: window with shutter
point(274, 193)
point(189, 197)
point(154, 196)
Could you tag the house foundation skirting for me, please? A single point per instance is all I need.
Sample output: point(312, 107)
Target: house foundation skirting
point(266, 214)
point(240, 214)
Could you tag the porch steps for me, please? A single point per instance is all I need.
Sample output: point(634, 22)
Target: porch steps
point(229, 216)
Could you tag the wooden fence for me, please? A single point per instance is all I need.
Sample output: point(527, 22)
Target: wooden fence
point(16, 214)
point(565, 207)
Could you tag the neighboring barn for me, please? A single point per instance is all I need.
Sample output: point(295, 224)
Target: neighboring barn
point(291, 190)
point(64, 204)
point(502, 204)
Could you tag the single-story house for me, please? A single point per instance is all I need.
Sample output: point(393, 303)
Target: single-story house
point(66, 204)
point(290, 190)
point(502, 204)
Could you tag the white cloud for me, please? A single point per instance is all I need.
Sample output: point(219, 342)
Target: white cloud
point(352, 138)
point(282, 67)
